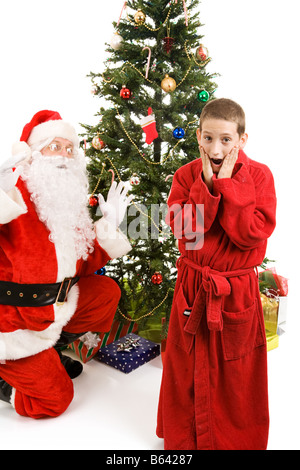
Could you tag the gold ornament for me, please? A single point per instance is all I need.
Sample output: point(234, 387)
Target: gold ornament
point(140, 17)
point(168, 84)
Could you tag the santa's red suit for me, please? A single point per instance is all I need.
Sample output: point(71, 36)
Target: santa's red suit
point(29, 363)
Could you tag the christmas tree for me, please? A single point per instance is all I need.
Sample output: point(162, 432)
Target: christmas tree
point(155, 85)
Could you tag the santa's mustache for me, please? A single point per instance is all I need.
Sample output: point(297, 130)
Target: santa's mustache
point(57, 161)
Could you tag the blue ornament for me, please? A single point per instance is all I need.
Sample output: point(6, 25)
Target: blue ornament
point(178, 133)
point(101, 271)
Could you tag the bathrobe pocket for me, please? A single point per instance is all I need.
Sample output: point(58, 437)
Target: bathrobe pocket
point(242, 332)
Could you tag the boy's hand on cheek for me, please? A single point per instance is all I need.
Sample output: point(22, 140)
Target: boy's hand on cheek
point(228, 164)
point(207, 169)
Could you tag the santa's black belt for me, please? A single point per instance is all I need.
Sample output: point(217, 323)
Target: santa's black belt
point(35, 295)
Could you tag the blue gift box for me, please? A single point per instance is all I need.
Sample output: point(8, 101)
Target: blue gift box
point(128, 353)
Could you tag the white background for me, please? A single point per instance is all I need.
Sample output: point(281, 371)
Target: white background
point(47, 49)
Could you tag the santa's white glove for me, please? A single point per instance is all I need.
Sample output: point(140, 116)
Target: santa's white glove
point(13, 161)
point(21, 153)
point(8, 177)
point(8, 180)
point(114, 209)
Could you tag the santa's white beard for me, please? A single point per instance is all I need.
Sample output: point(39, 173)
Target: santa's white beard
point(59, 190)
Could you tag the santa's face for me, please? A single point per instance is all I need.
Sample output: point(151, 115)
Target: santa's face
point(58, 185)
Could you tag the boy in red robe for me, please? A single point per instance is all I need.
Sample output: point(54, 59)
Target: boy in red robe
point(214, 392)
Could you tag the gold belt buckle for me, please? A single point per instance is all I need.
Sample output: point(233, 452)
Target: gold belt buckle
point(69, 280)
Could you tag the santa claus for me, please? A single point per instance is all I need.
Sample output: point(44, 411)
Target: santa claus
point(49, 252)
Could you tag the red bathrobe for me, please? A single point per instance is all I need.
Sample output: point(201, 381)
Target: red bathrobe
point(214, 392)
point(28, 362)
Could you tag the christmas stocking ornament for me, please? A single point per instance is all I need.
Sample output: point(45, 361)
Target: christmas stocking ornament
point(148, 124)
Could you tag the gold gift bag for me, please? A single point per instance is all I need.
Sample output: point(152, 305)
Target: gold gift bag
point(270, 308)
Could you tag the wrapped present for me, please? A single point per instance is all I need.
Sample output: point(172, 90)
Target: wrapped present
point(270, 309)
point(270, 280)
point(275, 313)
point(118, 330)
point(282, 314)
point(274, 292)
point(128, 353)
point(86, 346)
point(89, 344)
point(272, 341)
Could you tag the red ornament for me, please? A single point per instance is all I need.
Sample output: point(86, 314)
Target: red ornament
point(97, 143)
point(157, 278)
point(202, 53)
point(168, 43)
point(93, 201)
point(125, 93)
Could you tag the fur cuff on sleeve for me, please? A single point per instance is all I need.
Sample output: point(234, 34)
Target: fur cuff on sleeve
point(11, 205)
point(113, 241)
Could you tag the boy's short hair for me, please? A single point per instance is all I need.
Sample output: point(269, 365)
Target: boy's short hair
point(224, 108)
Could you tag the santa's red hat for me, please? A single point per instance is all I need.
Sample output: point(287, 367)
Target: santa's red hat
point(44, 125)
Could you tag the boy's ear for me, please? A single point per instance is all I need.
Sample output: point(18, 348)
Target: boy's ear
point(198, 132)
point(243, 140)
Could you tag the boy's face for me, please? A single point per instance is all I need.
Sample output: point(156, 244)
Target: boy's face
point(218, 137)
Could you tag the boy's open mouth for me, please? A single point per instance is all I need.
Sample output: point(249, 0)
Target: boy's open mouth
point(217, 161)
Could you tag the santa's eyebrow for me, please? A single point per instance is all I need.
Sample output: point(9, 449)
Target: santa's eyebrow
point(56, 141)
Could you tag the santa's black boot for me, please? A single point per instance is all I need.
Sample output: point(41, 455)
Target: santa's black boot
point(73, 368)
point(5, 391)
